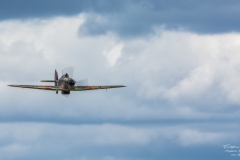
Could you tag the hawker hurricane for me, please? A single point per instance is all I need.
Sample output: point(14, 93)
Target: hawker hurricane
point(66, 83)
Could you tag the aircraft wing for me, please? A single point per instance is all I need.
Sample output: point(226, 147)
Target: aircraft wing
point(84, 88)
point(53, 88)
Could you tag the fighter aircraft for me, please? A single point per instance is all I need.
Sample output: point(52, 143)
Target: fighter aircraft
point(66, 83)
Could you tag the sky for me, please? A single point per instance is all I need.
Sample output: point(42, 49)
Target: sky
point(179, 60)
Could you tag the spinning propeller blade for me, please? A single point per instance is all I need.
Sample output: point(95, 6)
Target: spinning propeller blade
point(69, 70)
point(83, 82)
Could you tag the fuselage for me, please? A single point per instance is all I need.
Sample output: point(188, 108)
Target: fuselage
point(66, 83)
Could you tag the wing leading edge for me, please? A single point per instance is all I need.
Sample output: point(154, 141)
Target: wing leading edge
point(53, 88)
point(76, 88)
point(85, 88)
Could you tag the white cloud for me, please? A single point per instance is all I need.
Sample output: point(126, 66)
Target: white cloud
point(197, 82)
point(114, 54)
point(172, 66)
point(171, 75)
point(169, 65)
point(184, 66)
point(190, 137)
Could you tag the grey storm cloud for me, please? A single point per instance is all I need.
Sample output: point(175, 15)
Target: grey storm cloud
point(133, 18)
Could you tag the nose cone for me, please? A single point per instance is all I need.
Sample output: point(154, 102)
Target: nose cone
point(71, 82)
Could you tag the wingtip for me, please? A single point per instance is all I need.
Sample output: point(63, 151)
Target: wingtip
point(13, 85)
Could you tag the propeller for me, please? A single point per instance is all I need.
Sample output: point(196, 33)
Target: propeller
point(83, 82)
point(65, 95)
point(70, 70)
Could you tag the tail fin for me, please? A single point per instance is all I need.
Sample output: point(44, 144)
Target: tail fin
point(48, 81)
point(56, 79)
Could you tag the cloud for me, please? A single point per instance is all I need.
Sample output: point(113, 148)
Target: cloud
point(191, 137)
point(168, 66)
point(139, 19)
point(30, 140)
point(181, 91)
point(131, 18)
point(114, 54)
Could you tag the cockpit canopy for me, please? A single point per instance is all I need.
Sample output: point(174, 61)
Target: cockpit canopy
point(66, 75)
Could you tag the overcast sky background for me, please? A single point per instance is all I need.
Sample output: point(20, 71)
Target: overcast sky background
point(179, 60)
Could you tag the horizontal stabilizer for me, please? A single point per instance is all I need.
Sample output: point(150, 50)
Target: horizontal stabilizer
point(49, 81)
